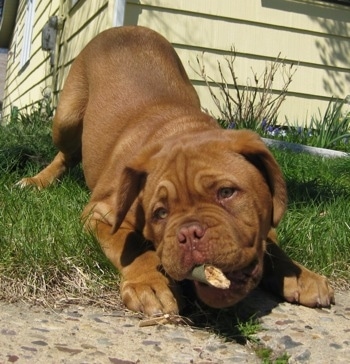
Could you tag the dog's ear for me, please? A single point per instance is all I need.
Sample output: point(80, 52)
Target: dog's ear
point(251, 146)
point(132, 181)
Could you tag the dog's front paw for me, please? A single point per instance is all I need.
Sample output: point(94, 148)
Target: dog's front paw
point(31, 181)
point(150, 294)
point(308, 289)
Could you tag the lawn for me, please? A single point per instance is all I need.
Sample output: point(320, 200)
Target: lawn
point(316, 228)
point(45, 253)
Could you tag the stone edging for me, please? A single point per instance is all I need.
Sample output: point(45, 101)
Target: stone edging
point(300, 148)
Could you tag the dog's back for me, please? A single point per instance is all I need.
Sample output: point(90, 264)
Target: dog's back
point(114, 83)
point(136, 65)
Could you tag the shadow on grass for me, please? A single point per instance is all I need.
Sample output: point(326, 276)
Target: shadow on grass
point(315, 191)
point(314, 179)
point(25, 161)
point(16, 158)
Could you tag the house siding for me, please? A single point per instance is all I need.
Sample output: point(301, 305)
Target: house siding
point(310, 34)
point(313, 35)
point(3, 63)
point(25, 86)
point(81, 25)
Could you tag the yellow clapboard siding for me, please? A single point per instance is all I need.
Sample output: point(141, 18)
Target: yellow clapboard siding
point(303, 15)
point(306, 80)
point(257, 39)
point(313, 33)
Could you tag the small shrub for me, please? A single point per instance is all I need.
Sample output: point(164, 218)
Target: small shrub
point(252, 106)
point(331, 128)
point(39, 112)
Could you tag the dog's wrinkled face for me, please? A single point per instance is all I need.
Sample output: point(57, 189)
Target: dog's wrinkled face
point(205, 202)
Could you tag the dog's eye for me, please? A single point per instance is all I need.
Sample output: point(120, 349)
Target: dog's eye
point(225, 192)
point(160, 214)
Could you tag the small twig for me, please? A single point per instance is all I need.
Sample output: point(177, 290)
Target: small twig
point(163, 320)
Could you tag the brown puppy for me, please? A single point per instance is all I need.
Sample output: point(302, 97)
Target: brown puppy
point(170, 189)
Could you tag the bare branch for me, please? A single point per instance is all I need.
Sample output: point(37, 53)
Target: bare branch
point(249, 104)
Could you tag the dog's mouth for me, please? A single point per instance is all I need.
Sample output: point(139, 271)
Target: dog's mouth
point(240, 283)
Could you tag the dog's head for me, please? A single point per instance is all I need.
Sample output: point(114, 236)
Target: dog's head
point(209, 198)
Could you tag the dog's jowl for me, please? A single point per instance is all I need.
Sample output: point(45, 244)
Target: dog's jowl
point(170, 190)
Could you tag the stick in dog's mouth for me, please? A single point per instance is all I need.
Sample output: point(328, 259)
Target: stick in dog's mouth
point(210, 275)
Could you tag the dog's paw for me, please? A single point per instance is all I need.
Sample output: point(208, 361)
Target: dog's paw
point(30, 182)
point(150, 294)
point(308, 289)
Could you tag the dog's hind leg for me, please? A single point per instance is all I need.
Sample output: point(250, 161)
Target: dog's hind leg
point(52, 172)
point(67, 130)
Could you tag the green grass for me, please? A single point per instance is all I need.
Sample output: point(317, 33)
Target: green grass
point(248, 328)
point(267, 356)
point(316, 228)
point(43, 245)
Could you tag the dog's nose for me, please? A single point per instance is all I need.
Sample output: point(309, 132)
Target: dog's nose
point(191, 233)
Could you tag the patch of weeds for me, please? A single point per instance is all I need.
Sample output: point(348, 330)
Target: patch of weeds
point(332, 127)
point(26, 139)
point(330, 130)
point(249, 328)
point(267, 356)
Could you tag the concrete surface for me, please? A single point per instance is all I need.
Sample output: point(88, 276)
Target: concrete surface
point(82, 334)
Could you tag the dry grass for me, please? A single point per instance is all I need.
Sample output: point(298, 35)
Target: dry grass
point(78, 287)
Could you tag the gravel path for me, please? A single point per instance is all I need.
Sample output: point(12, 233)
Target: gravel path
point(81, 334)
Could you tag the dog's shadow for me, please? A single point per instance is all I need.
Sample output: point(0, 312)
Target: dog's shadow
point(236, 323)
